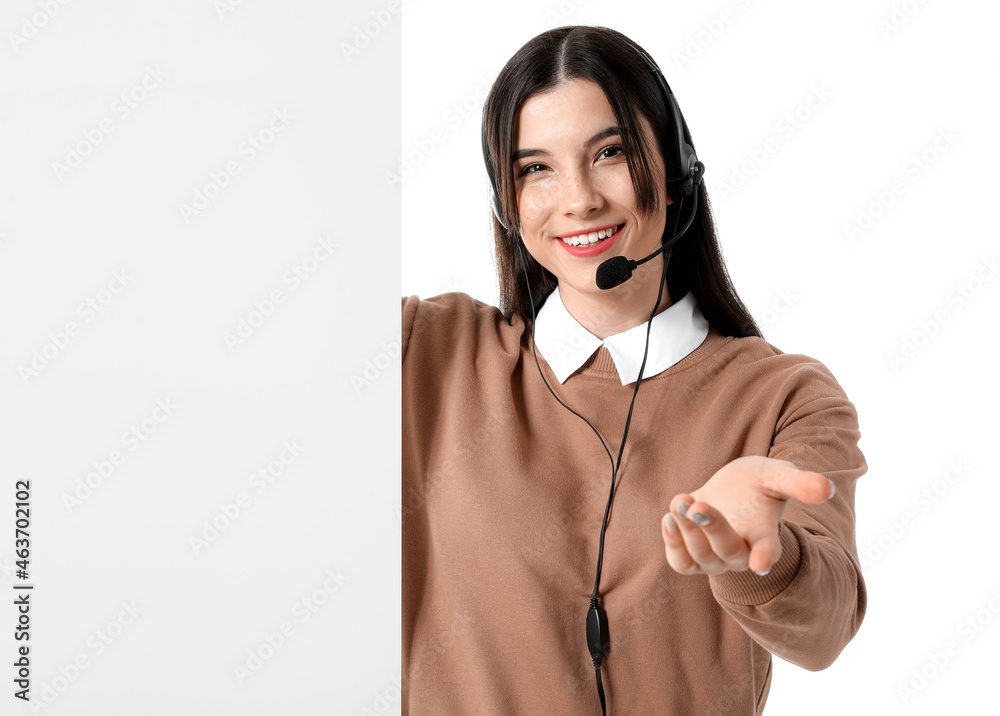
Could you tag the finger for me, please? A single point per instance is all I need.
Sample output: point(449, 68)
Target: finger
point(722, 538)
point(765, 547)
point(783, 480)
point(677, 555)
point(695, 541)
point(684, 498)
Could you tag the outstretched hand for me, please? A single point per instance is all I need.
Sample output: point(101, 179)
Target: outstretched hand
point(731, 522)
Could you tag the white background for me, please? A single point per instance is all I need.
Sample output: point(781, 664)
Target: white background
point(332, 509)
point(321, 370)
point(783, 233)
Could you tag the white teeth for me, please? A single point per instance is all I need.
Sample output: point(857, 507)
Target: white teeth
point(591, 238)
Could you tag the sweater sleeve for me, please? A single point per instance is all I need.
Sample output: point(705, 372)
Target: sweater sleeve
point(811, 603)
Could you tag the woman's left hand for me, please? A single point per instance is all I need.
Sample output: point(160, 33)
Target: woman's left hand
point(731, 522)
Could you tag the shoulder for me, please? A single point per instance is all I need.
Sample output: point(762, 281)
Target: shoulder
point(453, 305)
point(458, 319)
point(795, 398)
point(764, 369)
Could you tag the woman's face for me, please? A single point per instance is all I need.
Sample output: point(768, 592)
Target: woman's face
point(572, 179)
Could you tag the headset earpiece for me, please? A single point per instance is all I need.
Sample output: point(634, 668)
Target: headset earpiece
point(692, 169)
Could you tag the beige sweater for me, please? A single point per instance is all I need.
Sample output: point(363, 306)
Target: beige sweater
point(503, 494)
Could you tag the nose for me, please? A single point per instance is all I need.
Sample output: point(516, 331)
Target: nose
point(580, 194)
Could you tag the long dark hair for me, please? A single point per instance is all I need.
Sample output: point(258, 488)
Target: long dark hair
point(609, 59)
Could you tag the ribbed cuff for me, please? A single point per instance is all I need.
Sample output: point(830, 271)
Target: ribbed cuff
point(749, 589)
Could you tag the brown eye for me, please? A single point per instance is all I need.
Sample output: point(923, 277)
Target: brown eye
point(530, 169)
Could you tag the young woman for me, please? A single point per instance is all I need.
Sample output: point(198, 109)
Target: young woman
point(539, 578)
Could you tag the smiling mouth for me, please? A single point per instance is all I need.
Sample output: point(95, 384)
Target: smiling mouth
point(592, 238)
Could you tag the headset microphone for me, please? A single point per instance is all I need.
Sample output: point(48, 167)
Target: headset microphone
point(617, 270)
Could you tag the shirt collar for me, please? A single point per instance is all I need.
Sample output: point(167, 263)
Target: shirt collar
point(566, 345)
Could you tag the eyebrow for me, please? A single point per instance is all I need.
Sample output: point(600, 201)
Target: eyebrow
point(603, 134)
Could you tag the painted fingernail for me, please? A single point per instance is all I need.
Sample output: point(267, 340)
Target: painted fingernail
point(682, 509)
point(833, 489)
point(671, 524)
point(700, 518)
point(763, 573)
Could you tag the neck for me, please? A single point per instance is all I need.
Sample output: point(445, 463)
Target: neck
point(606, 313)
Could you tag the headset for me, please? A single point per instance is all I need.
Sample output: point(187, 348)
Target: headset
point(611, 273)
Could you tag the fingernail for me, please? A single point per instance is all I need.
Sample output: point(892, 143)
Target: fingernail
point(833, 489)
point(763, 573)
point(671, 524)
point(700, 518)
point(682, 509)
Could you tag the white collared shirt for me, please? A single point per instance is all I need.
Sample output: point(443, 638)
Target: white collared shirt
point(566, 345)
